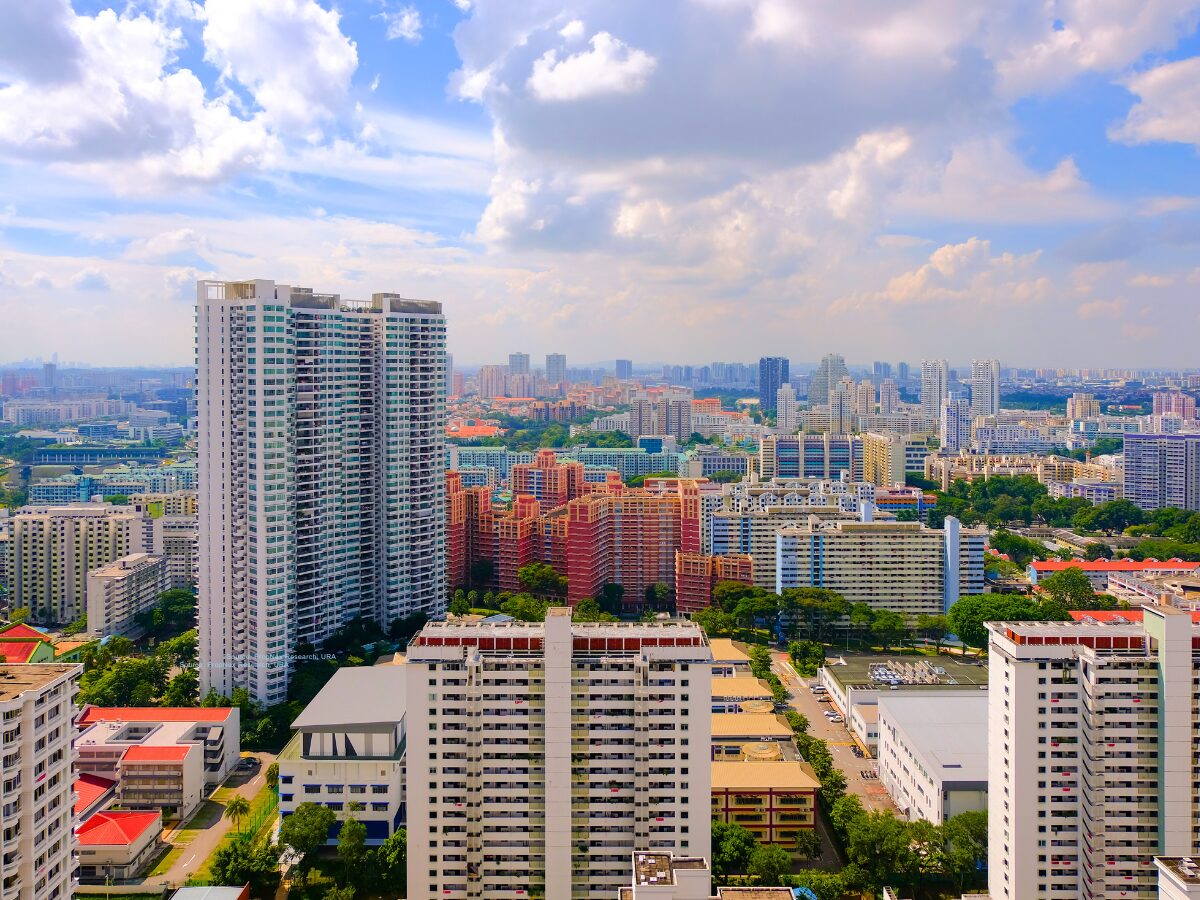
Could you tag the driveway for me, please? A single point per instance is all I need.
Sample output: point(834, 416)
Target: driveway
point(837, 736)
point(208, 826)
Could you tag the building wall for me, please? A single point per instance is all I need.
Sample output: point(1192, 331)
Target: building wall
point(578, 726)
point(118, 592)
point(37, 815)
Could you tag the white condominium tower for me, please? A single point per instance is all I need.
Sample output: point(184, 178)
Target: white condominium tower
point(935, 386)
point(542, 755)
point(321, 471)
point(985, 387)
point(37, 706)
point(1091, 754)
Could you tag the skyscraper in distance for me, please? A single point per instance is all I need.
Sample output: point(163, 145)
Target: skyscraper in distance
point(518, 364)
point(787, 410)
point(624, 369)
point(956, 424)
point(935, 386)
point(321, 468)
point(985, 387)
point(556, 369)
point(772, 375)
point(829, 372)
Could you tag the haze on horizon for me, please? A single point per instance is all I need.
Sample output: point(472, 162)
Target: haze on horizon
point(689, 180)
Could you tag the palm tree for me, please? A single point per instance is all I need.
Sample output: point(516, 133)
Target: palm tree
point(237, 809)
point(273, 775)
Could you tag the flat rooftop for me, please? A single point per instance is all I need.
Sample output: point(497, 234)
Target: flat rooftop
point(660, 868)
point(751, 775)
point(741, 687)
point(913, 672)
point(749, 725)
point(357, 695)
point(1184, 868)
point(949, 731)
point(726, 651)
point(16, 680)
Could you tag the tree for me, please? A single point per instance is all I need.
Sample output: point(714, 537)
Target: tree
point(236, 810)
point(525, 608)
point(239, 862)
point(732, 846)
point(888, 626)
point(611, 597)
point(727, 594)
point(182, 690)
point(660, 598)
point(352, 848)
point(19, 615)
point(459, 606)
point(1069, 587)
point(272, 776)
point(305, 831)
point(117, 499)
point(588, 610)
point(715, 622)
point(541, 580)
point(340, 892)
point(769, 864)
point(966, 844)
point(1096, 550)
point(826, 885)
point(391, 862)
point(861, 617)
point(933, 628)
point(808, 843)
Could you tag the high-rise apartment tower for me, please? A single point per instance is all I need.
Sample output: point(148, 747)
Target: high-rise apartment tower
point(322, 471)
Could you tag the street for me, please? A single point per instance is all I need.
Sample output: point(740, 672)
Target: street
point(837, 736)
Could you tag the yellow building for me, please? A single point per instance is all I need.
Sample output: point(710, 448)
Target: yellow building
point(886, 457)
point(774, 800)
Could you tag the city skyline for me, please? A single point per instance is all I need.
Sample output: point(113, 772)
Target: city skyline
point(952, 177)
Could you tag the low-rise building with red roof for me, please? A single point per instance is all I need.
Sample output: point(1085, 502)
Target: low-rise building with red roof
point(92, 793)
point(117, 844)
point(161, 757)
point(1098, 570)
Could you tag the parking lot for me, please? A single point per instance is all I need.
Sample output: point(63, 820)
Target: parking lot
point(860, 772)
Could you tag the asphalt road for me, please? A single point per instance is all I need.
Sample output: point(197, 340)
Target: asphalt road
point(837, 736)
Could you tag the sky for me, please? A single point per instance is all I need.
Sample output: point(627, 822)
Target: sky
point(682, 180)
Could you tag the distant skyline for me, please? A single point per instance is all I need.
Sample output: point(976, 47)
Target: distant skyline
point(694, 179)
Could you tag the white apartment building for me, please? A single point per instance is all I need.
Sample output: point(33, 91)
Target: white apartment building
point(787, 410)
point(956, 425)
point(54, 548)
point(37, 841)
point(117, 592)
point(542, 755)
point(901, 566)
point(932, 752)
point(1091, 755)
point(935, 386)
point(348, 750)
point(321, 471)
point(985, 387)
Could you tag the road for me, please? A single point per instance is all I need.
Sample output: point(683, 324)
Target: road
point(837, 736)
point(247, 784)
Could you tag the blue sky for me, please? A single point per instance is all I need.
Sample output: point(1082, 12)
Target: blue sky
point(687, 180)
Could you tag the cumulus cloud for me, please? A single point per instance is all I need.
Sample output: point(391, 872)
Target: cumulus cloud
point(1101, 309)
point(1168, 107)
point(610, 67)
point(123, 115)
point(1145, 279)
point(402, 23)
point(290, 54)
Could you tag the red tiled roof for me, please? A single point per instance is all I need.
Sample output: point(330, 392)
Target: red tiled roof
point(108, 829)
point(18, 651)
point(89, 789)
point(94, 714)
point(155, 753)
point(1112, 565)
point(21, 630)
point(1114, 615)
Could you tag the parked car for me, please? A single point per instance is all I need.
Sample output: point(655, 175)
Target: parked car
point(824, 700)
point(836, 719)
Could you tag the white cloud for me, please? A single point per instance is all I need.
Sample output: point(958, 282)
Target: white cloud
point(1168, 107)
point(573, 30)
point(125, 117)
point(1145, 279)
point(610, 67)
point(90, 280)
point(290, 54)
point(402, 23)
point(1101, 309)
